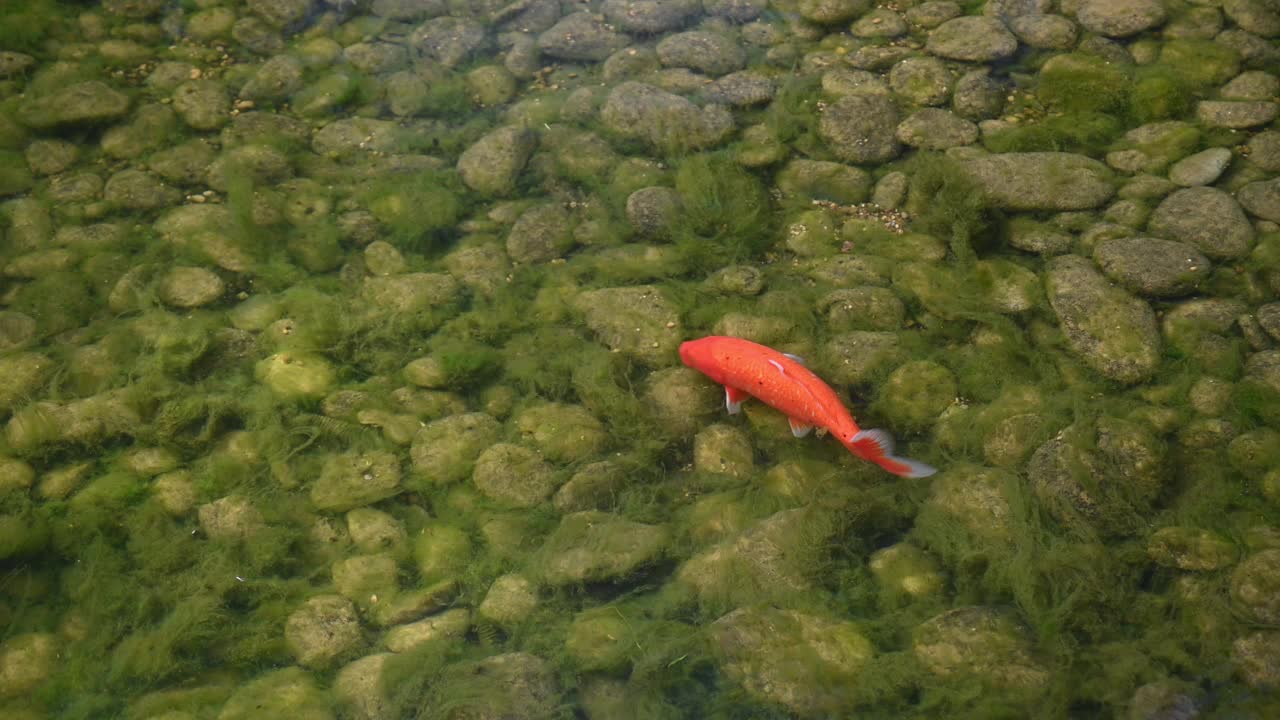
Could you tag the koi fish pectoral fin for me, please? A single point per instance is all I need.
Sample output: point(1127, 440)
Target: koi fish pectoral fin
point(733, 398)
point(799, 428)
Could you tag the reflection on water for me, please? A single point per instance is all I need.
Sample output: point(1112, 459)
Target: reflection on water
point(338, 366)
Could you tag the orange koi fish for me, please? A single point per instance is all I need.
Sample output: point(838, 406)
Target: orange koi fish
point(748, 369)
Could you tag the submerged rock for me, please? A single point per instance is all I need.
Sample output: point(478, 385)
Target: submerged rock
point(1107, 474)
point(638, 321)
point(1113, 332)
point(594, 546)
point(979, 642)
point(86, 103)
point(663, 119)
point(806, 663)
point(1041, 180)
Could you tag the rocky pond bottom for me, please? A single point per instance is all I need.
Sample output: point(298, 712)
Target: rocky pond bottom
point(338, 372)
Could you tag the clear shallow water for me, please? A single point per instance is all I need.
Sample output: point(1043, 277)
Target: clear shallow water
point(338, 371)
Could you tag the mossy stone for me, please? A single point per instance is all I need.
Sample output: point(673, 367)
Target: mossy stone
point(354, 480)
point(514, 475)
point(906, 570)
point(916, 393)
point(723, 449)
point(790, 658)
point(296, 375)
point(491, 85)
point(1203, 63)
point(1188, 548)
point(441, 551)
point(563, 432)
point(510, 600)
point(594, 546)
point(445, 450)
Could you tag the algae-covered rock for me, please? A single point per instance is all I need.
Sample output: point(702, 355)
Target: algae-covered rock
point(723, 449)
point(681, 399)
point(448, 627)
point(773, 558)
point(510, 685)
point(663, 119)
point(374, 531)
point(541, 233)
point(26, 661)
point(411, 293)
point(190, 287)
point(202, 104)
point(638, 321)
point(916, 393)
point(445, 450)
point(230, 518)
point(594, 546)
point(322, 631)
point(1108, 472)
point(855, 357)
point(1112, 332)
point(861, 129)
point(360, 687)
point(972, 39)
point(353, 480)
point(491, 164)
point(580, 36)
point(967, 513)
point(86, 103)
point(23, 373)
point(1188, 548)
point(1151, 266)
point(1041, 180)
point(562, 432)
point(290, 693)
point(807, 663)
point(601, 639)
point(366, 579)
point(904, 569)
point(411, 604)
point(1257, 659)
point(597, 486)
point(509, 601)
point(1255, 586)
point(514, 475)
point(441, 551)
point(1205, 217)
point(296, 375)
point(979, 642)
point(832, 12)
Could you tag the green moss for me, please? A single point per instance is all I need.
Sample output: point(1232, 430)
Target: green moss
point(418, 209)
point(58, 301)
point(15, 177)
point(1086, 133)
point(945, 203)
point(1158, 93)
point(1077, 83)
point(726, 218)
point(24, 26)
point(1200, 63)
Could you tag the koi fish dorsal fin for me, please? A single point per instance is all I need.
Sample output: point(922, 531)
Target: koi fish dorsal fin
point(798, 428)
point(797, 358)
point(733, 398)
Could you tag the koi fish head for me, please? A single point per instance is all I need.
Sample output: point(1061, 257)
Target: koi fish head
point(700, 355)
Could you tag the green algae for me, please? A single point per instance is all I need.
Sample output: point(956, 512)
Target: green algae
point(725, 218)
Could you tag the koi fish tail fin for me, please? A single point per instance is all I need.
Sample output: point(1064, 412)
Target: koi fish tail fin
point(877, 446)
